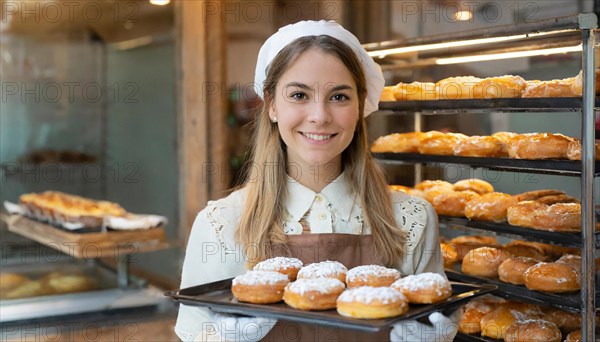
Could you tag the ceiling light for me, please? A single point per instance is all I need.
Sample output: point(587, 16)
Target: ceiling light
point(160, 2)
point(506, 55)
point(463, 15)
point(445, 45)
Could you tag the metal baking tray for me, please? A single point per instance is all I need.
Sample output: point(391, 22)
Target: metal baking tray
point(545, 105)
point(567, 301)
point(544, 166)
point(217, 296)
point(557, 238)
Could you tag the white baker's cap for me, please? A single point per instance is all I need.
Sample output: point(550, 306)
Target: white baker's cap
point(289, 33)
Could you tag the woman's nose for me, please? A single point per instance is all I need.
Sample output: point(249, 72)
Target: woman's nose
point(319, 112)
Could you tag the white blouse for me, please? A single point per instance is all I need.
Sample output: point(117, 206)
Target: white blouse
point(212, 253)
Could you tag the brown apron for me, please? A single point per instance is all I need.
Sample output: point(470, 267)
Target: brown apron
point(351, 250)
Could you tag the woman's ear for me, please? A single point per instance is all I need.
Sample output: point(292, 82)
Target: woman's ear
point(272, 113)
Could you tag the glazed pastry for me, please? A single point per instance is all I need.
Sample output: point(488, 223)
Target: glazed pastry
point(313, 294)
point(476, 185)
point(552, 278)
point(259, 287)
point(287, 266)
point(533, 330)
point(484, 261)
point(453, 203)
point(368, 302)
point(507, 86)
point(371, 275)
point(325, 269)
point(424, 288)
point(512, 270)
point(489, 207)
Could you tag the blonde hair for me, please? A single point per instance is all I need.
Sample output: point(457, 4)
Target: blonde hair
point(260, 228)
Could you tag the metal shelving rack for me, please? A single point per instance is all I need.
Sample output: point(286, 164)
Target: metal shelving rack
point(539, 34)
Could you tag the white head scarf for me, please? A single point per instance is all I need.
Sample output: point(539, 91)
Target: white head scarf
point(289, 33)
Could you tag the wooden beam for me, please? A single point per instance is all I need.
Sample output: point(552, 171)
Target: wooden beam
point(202, 106)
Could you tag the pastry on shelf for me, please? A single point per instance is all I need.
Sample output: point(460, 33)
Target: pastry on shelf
point(484, 261)
point(464, 244)
point(461, 87)
point(507, 86)
point(539, 146)
point(415, 91)
point(490, 207)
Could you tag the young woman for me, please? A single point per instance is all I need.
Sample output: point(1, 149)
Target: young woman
point(313, 190)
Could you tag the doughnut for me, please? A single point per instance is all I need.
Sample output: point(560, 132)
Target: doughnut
point(533, 330)
point(427, 184)
point(324, 269)
point(564, 217)
point(453, 203)
point(440, 144)
point(30, 288)
point(287, 266)
point(539, 146)
point(528, 249)
point(424, 288)
point(484, 261)
point(313, 294)
point(489, 207)
point(512, 269)
point(461, 87)
point(567, 321)
point(259, 287)
point(574, 150)
point(450, 254)
point(553, 199)
point(397, 143)
point(507, 86)
point(476, 185)
point(537, 194)
point(521, 214)
point(69, 282)
point(480, 146)
point(400, 188)
point(369, 302)
point(371, 275)
point(552, 88)
point(471, 313)
point(552, 278)
point(387, 94)
point(463, 244)
point(574, 336)
point(415, 91)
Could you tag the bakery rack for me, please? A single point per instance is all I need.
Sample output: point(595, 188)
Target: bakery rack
point(564, 31)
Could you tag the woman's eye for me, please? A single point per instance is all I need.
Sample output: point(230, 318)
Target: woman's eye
point(339, 97)
point(298, 96)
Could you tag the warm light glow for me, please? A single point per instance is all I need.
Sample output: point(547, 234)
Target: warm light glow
point(438, 46)
point(463, 15)
point(160, 2)
point(495, 56)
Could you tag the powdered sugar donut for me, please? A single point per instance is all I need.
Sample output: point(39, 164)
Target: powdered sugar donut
point(371, 302)
point(287, 266)
point(313, 294)
point(260, 287)
point(325, 269)
point(371, 275)
point(424, 288)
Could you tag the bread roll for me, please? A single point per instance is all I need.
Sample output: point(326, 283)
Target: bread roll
point(507, 86)
point(453, 203)
point(565, 217)
point(489, 207)
point(539, 146)
point(567, 321)
point(495, 323)
point(464, 244)
point(440, 144)
point(533, 330)
point(477, 185)
point(552, 88)
point(521, 214)
point(552, 278)
point(536, 194)
point(397, 143)
point(471, 313)
point(528, 249)
point(512, 269)
point(574, 150)
point(484, 261)
point(415, 91)
point(387, 94)
point(453, 88)
point(480, 146)
point(450, 255)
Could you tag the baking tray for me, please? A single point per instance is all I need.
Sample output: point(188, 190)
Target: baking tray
point(557, 238)
point(217, 296)
point(544, 166)
point(567, 301)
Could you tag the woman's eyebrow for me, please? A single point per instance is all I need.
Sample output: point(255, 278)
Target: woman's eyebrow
point(340, 87)
point(298, 85)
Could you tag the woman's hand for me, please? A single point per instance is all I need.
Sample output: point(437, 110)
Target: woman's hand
point(242, 328)
point(442, 329)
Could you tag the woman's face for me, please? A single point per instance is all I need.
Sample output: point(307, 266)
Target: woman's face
point(316, 106)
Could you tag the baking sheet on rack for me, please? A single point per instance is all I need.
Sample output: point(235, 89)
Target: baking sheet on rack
point(218, 297)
